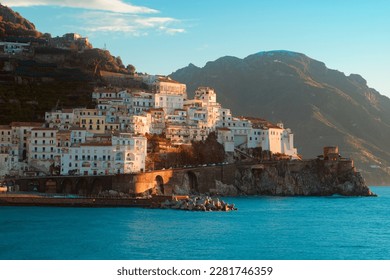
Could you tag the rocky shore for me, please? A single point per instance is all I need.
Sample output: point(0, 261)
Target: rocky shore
point(301, 178)
point(197, 203)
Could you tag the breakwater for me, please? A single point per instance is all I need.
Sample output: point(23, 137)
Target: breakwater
point(197, 203)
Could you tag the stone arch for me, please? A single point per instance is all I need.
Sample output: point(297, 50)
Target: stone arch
point(66, 186)
point(130, 157)
point(159, 184)
point(34, 186)
point(50, 186)
point(82, 186)
point(97, 186)
point(192, 181)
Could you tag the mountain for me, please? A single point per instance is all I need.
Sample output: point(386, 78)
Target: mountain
point(322, 106)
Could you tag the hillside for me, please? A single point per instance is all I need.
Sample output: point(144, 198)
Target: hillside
point(322, 106)
point(61, 70)
point(13, 24)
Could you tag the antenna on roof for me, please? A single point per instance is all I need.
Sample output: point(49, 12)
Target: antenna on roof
point(57, 104)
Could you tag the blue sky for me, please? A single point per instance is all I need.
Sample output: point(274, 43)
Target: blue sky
point(161, 36)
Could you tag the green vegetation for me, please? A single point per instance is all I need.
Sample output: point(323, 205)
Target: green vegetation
point(29, 102)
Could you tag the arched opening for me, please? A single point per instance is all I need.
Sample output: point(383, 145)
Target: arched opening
point(97, 187)
point(34, 186)
point(192, 182)
point(130, 157)
point(66, 187)
point(159, 185)
point(51, 186)
point(82, 187)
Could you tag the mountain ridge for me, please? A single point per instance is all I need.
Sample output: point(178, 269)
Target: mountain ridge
point(322, 106)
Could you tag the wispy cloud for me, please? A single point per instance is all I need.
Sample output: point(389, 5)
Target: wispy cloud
point(129, 24)
point(110, 16)
point(117, 6)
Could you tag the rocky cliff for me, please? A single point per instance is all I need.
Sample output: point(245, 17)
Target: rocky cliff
point(301, 178)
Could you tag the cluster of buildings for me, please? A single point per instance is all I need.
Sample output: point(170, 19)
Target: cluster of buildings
point(110, 138)
point(12, 45)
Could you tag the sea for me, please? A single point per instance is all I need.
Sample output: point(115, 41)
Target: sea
point(263, 228)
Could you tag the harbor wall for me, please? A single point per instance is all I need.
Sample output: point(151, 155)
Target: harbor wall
point(308, 177)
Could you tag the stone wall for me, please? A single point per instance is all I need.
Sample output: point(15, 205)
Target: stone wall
point(284, 178)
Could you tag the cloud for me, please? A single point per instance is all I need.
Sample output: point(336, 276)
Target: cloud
point(109, 16)
point(117, 6)
point(129, 24)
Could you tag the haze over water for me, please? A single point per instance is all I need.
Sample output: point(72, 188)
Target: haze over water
point(314, 228)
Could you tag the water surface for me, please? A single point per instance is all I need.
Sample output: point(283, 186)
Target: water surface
point(303, 228)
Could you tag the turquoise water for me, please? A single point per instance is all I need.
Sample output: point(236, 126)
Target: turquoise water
point(303, 228)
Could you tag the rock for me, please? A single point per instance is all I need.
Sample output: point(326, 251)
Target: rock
point(308, 178)
point(112, 193)
point(224, 189)
point(197, 204)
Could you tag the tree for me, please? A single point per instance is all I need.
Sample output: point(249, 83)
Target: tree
point(130, 69)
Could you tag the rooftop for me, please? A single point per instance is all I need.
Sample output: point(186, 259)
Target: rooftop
point(29, 124)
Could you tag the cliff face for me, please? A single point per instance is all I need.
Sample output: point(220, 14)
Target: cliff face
point(301, 178)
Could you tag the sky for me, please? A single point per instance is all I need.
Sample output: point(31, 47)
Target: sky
point(162, 36)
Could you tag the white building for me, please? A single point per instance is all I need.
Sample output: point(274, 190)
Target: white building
point(130, 152)
point(5, 135)
point(226, 138)
point(125, 153)
point(60, 119)
point(21, 132)
point(168, 94)
point(156, 119)
point(9, 160)
point(43, 151)
point(14, 47)
point(140, 102)
point(9, 152)
point(89, 158)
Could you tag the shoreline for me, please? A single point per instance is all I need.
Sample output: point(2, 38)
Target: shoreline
point(58, 200)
